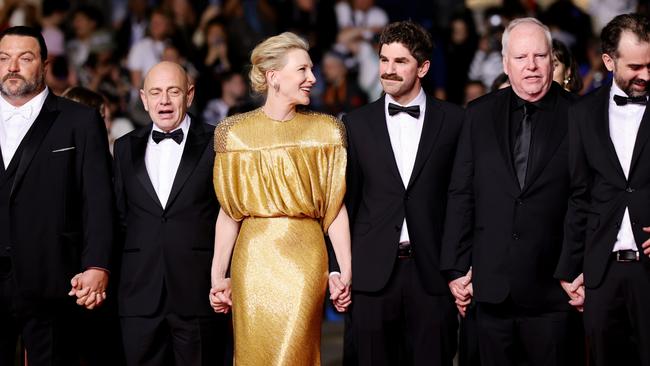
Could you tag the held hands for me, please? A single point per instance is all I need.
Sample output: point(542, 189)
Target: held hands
point(89, 287)
point(221, 295)
point(463, 291)
point(576, 292)
point(646, 244)
point(340, 286)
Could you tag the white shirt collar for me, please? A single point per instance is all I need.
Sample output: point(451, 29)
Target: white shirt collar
point(29, 110)
point(420, 100)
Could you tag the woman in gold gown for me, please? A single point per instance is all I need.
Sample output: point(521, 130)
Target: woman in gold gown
point(279, 175)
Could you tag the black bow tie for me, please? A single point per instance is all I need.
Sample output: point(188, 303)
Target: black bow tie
point(177, 136)
point(413, 111)
point(621, 100)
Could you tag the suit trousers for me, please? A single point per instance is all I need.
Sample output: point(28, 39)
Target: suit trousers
point(509, 335)
point(617, 316)
point(46, 328)
point(167, 339)
point(402, 324)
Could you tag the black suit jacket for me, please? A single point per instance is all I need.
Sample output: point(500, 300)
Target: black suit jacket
point(510, 236)
point(378, 202)
point(60, 205)
point(600, 192)
point(166, 250)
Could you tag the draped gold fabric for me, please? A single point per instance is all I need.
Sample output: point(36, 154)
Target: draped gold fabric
point(286, 181)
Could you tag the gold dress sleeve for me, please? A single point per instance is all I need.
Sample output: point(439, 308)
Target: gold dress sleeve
point(285, 182)
point(296, 169)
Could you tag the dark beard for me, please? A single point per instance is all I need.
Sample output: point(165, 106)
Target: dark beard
point(630, 91)
point(28, 87)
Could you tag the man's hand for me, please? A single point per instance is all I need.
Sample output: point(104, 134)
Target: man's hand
point(89, 287)
point(340, 291)
point(221, 295)
point(576, 292)
point(463, 291)
point(646, 244)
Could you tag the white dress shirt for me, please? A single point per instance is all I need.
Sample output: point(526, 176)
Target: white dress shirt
point(162, 160)
point(15, 122)
point(624, 122)
point(404, 132)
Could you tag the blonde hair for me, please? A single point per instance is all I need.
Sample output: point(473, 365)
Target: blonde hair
point(271, 55)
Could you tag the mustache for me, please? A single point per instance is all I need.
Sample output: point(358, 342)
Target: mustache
point(640, 82)
point(393, 77)
point(13, 75)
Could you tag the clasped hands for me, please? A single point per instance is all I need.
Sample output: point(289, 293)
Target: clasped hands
point(339, 285)
point(463, 291)
point(89, 287)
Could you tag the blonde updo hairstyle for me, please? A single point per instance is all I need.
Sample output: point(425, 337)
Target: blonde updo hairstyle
point(271, 55)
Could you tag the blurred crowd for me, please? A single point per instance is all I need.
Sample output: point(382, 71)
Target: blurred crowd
point(107, 46)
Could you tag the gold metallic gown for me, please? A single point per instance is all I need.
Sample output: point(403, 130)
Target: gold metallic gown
point(286, 181)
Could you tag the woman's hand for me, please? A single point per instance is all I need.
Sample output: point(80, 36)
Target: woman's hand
point(221, 295)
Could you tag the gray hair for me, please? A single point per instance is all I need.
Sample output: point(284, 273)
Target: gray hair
point(519, 21)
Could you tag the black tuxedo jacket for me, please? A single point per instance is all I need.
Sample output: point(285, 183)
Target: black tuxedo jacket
point(510, 236)
point(166, 251)
point(378, 202)
point(600, 192)
point(60, 200)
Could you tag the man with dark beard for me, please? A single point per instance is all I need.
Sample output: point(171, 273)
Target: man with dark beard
point(604, 263)
point(56, 215)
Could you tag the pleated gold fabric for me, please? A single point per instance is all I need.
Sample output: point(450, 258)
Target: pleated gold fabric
point(286, 181)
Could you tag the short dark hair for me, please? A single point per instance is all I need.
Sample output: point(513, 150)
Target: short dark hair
point(412, 36)
point(638, 24)
point(563, 55)
point(27, 32)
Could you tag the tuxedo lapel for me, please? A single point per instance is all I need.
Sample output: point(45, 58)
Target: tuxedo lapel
point(138, 149)
point(432, 123)
point(641, 139)
point(500, 118)
point(34, 137)
point(377, 124)
point(194, 147)
point(601, 127)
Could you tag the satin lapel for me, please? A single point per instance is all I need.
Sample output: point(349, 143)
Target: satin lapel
point(601, 126)
point(500, 118)
point(35, 136)
point(641, 139)
point(432, 123)
point(138, 148)
point(549, 132)
point(377, 123)
point(194, 146)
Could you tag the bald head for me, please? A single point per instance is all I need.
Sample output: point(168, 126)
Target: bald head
point(166, 95)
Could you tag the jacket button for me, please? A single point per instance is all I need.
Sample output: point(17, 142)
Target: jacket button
point(520, 202)
point(629, 189)
point(515, 236)
point(163, 219)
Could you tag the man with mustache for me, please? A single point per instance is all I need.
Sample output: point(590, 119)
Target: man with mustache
point(400, 153)
point(507, 201)
point(56, 207)
point(604, 264)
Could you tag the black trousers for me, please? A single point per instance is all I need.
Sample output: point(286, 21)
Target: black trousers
point(166, 339)
point(47, 328)
point(509, 335)
point(402, 324)
point(617, 316)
